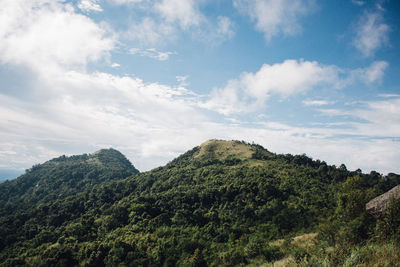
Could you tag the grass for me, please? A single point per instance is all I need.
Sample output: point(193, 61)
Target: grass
point(223, 149)
point(304, 250)
point(374, 255)
point(306, 240)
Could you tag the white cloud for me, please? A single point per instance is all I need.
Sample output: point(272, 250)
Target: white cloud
point(126, 112)
point(184, 12)
point(49, 36)
point(89, 5)
point(285, 79)
point(251, 90)
point(148, 32)
point(274, 78)
point(182, 80)
point(228, 100)
point(317, 102)
point(214, 33)
point(370, 74)
point(321, 143)
point(334, 112)
point(273, 17)
point(225, 28)
point(371, 33)
point(163, 21)
point(388, 95)
point(115, 65)
point(376, 71)
point(123, 2)
point(382, 117)
point(151, 53)
point(358, 3)
point(378, 118)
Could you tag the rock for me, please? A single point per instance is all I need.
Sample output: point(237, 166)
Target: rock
point(379, 204)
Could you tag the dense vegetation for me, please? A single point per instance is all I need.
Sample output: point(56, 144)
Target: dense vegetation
point(62, 177)
point(45, 194)
point(223, 203)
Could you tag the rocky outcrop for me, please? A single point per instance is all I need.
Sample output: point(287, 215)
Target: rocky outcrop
point(379, 204)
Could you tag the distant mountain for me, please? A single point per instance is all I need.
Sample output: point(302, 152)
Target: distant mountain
point(62, 177)
point(7, 174)
point(223, 203)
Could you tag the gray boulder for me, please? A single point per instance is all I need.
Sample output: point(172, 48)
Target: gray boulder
point(379, 204)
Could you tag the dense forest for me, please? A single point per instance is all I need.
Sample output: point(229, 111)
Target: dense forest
point(224, 203)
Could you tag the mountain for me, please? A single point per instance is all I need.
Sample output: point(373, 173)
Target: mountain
point(223, 203)
point(37, 198)
point(64, 176)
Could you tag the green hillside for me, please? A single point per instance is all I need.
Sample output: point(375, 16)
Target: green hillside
point(62, 177)
point(37, 198)
point(224, 203)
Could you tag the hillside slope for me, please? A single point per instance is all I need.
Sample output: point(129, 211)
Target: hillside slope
point(53, 183)
point(64, 176)
point(219, 204)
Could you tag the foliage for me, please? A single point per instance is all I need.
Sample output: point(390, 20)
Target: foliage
point(220, 204)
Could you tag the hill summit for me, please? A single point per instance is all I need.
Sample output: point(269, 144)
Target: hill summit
point(223, 150)
point(62, 177)
point(106, 158)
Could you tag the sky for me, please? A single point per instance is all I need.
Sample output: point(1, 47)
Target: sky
point(155, 78)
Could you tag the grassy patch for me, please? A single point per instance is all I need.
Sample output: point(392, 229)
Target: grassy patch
point(221, 150)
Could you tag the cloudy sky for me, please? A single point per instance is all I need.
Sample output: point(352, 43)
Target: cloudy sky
point(154, 78)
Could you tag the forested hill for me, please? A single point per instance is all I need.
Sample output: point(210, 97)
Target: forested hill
point(224, 203)
point(62, 177)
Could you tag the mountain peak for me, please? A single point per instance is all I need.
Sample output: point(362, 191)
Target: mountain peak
point(222, 149)
point(110, 157)
point(105, 158)
point(107, 151)
point(66, 175)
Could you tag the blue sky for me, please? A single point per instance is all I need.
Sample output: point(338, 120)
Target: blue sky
point(154, 78)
